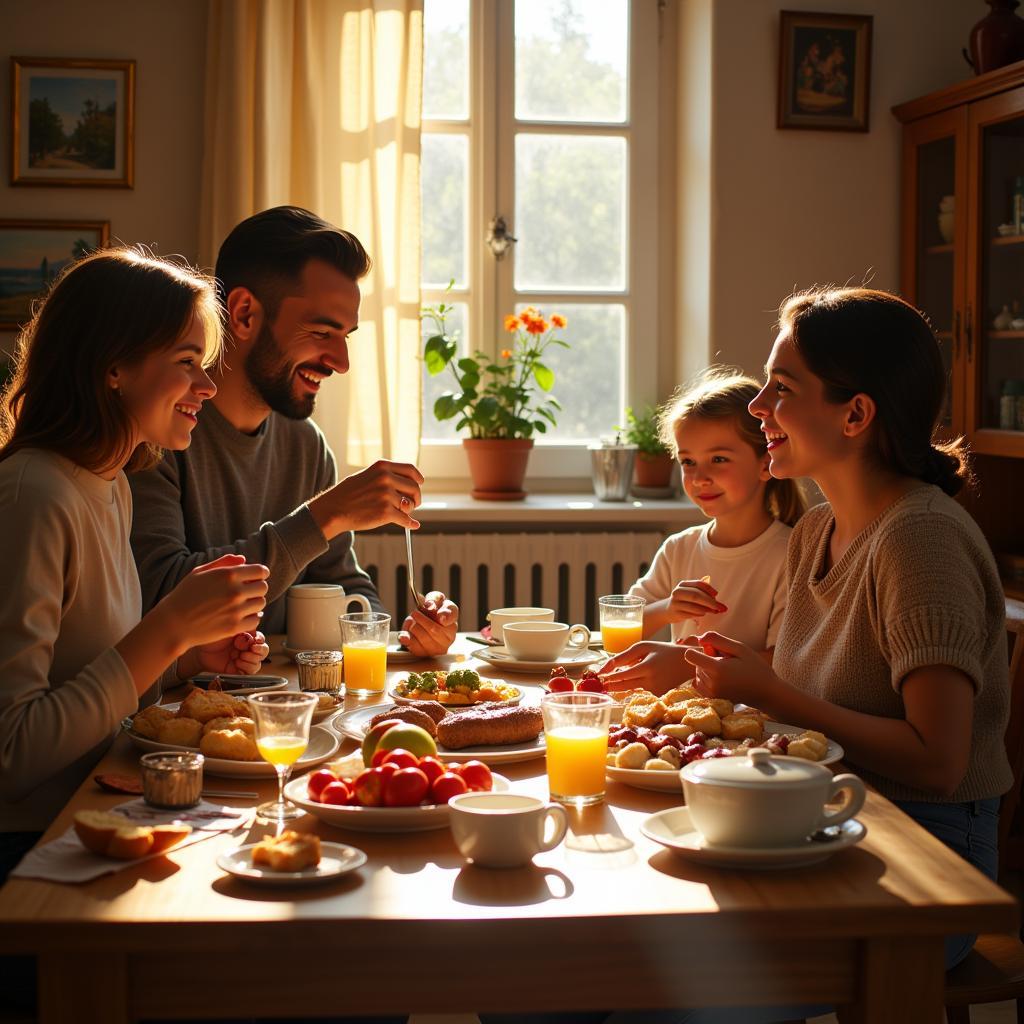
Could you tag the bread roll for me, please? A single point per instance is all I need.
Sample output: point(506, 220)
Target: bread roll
point(113, 835)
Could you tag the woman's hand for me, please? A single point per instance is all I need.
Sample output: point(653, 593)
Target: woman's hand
point(649, 664)
point(727, 668)
point(692, 599)
point(431, 629)
point(241, 654)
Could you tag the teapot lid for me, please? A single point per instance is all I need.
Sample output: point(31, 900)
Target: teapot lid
point(758, 769)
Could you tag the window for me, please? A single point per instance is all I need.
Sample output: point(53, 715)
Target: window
point(544, 112)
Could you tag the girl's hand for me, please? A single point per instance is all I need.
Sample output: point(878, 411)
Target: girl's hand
point(691, 599)
point(649, 664)
point(218, 600)
point(431, 630)
point(727, 668)
point(241, 654)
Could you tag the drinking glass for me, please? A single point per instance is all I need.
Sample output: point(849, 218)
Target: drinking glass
point(622, 621)
point(282, 734)
point(364, 642)
point(576, 735)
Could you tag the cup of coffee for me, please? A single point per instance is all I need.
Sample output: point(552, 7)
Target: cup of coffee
point(499, 616)
point(544, 641)
point(504, 830)
point(313, 612)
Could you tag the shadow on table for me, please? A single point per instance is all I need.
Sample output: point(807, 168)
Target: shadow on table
point(510, 887)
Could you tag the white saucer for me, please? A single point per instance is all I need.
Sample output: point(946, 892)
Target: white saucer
point(335, 860)
point(674, 829)
point(500, 657)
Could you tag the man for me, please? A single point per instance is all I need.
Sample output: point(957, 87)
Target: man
point(259, 478)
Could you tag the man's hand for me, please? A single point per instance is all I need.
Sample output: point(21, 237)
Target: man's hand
point(370, 498)
point(431, 630)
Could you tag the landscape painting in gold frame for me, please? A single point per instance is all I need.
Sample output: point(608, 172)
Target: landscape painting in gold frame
point(824, 71)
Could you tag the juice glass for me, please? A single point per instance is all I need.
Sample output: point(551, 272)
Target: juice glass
point(622, 621)
point(282, 720)
point(576, 734)
point(364, 643)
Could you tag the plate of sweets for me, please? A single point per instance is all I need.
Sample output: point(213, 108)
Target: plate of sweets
point(454, 689)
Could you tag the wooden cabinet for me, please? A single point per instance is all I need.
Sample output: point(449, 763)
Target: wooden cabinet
point(962, 262)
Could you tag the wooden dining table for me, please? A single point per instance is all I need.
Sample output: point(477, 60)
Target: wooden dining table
point(607, 920)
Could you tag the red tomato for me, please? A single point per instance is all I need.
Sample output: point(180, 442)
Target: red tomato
point(406, 788)
point(560, 684)
point(398, 757)
point(476, 775)
point(369, 786)
point(432, 768)
point(590, 684)
point(446, 786)
point(337, 792)
point(318, 781)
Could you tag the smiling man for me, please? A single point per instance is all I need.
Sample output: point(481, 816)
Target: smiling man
point(259, 478)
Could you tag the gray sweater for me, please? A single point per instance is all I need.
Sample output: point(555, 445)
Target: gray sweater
point(242, 493)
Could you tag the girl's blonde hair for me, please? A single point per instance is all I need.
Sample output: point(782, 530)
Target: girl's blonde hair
point(724, 393)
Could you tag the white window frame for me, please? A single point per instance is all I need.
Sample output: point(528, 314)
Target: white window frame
point(489, 291)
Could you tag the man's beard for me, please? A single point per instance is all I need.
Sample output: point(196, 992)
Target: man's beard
point(271, 377)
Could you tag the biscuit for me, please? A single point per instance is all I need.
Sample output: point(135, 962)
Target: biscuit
point(290, 851)
point(147, 721)
point(808, 747)
point(702, 719)
point(204, 706)
point(636, 755)
point(649, 713)
point(247, 725)
point(742, 726)
point(230, 745)
point(182, 732)
point(685, 692)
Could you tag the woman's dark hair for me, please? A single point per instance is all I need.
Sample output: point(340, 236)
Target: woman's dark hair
point(724, 393)
point(111, 308)
point(267, 252)
point(862, 341)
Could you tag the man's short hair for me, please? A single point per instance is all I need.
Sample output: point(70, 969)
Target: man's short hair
point(267, 253)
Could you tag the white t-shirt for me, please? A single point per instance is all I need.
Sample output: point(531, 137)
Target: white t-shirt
point(750, 580)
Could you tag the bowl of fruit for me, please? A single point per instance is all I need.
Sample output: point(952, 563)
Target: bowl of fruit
point(589, 682)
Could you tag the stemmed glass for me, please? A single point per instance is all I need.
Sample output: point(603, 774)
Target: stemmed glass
point(282, 735)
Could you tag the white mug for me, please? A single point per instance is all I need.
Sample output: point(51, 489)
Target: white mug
point(313, 610)
point(504, 830)
point(499, 616)
point(544, 641)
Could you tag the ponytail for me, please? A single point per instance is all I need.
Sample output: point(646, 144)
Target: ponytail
point(947, 465)
point(785, 500)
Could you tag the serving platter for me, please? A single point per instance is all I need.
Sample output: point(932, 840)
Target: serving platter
point(353, 725)
point(501, 657)
point(423, 818)
point(335, 860)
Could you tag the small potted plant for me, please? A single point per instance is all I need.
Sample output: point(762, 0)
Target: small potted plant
point(653, 466)
point(501, 402)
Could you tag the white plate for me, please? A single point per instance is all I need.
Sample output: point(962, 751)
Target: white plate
point(500, 657)
point(353, 725)
point(832, 754)
point(241, 686)
point(335, 860)
point(674, 829)
point(639, 778)
point(413, 701)
point(323, 744)
point(424, 818)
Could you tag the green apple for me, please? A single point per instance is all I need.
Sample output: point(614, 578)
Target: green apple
point(407, 737)
point(372, 738)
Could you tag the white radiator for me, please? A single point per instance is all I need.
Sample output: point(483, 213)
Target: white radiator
point(480, 571)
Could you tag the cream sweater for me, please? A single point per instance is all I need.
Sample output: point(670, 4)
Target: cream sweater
point(70, 593)
point(917, 587)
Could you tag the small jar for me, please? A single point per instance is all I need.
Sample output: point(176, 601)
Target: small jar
point(1011, 405)
point(320, 670)
point(172, 779)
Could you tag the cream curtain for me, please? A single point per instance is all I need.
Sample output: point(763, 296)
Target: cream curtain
point(316, 103)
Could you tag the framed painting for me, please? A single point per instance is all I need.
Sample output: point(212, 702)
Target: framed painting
point(33, 253)
point(824, 71)
point(72, 122)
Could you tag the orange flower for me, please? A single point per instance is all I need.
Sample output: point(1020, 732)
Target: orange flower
point(558, 320)
point(506, 353)
point(511, 323)
point(537, 325)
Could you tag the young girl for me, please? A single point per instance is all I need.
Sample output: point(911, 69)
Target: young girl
point(109, 371)
point(702, 577)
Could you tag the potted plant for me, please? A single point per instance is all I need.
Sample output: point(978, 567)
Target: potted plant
point(501, 402)
point(653, 466)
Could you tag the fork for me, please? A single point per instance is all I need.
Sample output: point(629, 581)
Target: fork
point(416, 596)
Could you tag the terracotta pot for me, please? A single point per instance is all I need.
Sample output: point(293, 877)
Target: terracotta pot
point(998, 39)
point(652, 470)
point(497, 467)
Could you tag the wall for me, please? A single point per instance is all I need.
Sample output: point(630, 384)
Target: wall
point(794, 208)
point(167, 41)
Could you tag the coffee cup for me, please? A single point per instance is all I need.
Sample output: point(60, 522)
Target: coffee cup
point(313, 611)
point(499, 616)
point(544, 641)
point(763, 801)
point(504, 830)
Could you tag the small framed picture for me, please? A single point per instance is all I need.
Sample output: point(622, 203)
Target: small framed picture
point(824, 71)
point(72, 122)
point(33, 253)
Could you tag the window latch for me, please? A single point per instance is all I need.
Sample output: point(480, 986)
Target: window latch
point(498, 239)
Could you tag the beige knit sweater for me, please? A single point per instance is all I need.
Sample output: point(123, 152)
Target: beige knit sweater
point(917, 587)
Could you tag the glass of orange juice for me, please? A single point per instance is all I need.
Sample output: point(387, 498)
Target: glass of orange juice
point(364, 644)
point(622, 621)
point(282, 720)
point(576, 736)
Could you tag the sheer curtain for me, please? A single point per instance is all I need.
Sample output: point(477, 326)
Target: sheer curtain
point(316, 103)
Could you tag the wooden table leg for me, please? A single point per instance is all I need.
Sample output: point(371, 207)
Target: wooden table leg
point(899, 980)
point(82, 988)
